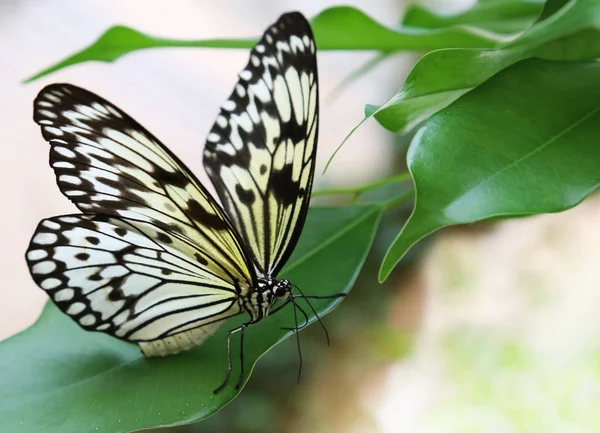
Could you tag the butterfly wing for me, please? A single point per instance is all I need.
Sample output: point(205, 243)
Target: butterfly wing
point(154, 259)
point(132, 280)
point(260, 153)
point(107, 163)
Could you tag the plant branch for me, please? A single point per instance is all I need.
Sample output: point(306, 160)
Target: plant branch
point(358, 190)
point(398, 200)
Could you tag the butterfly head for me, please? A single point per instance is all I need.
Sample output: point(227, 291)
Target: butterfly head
point(281, 290)
point(268, 292)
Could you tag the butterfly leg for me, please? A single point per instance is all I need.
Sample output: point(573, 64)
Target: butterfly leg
point(297, 328)
point(228, 375)
point(238, 385)
point(229, 362)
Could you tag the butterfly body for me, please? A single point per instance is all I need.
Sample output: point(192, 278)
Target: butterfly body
point(257, 305)
point(267, 293)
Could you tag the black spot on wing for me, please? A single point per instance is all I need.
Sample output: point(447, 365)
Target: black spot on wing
point(120, 231)
point(201, 259)
point(284, 188)
point(245, 196)
point(92, 240)
point(164, 238)
point(116, 294)
point(174, 178)
point(82, 256)
point(197, 212)
point(95, 277)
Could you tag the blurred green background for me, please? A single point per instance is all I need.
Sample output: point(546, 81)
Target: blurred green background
point(483, 328)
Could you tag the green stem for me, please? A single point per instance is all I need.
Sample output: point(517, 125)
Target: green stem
point(398, 200)
point(357, 190)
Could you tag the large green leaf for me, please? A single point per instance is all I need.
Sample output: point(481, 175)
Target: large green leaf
point(58, 378)
point(502, 16)
point(525, 142)
point(442, 76)
point(439, 78)
point(336, 28)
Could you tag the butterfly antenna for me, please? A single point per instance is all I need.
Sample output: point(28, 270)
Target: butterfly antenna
point(316, 315)
point(335, 295)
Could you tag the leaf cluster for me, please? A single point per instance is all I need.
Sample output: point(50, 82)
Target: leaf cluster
point(506, 99)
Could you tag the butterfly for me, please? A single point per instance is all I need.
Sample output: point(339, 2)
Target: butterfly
point(153, 258)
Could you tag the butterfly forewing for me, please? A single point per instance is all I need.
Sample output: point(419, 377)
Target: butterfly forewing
point(130, 279)
point(107, 163)
point(260, 153)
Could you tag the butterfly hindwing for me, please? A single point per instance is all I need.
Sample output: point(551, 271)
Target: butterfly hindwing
point(107, 163)
point(260, 153)
point(130, 279)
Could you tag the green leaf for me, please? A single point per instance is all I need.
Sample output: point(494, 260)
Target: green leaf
point(523, 143)
point(439, 78)
point(347, 28)
point(551, 7)
point(336, 28)
point(58, 378)
point(442, 76)
point(501, 16)
point(575, 16)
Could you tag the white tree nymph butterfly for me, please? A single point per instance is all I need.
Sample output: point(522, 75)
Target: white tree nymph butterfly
point(153, 258)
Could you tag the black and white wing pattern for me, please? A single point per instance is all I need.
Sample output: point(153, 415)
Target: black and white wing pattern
point(133, 280)
point(260, 153)
point(153, 259)
point(107, 163)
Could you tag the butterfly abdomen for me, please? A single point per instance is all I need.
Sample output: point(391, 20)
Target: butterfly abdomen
point(180, 342)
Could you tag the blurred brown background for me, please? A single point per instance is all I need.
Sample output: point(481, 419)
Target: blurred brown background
point(486, 328)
